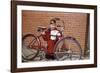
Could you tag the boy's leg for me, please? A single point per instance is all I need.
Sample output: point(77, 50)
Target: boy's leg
point(50, 49)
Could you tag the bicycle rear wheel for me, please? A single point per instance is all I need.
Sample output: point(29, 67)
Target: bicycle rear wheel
point(30, 47)
point(68, 48)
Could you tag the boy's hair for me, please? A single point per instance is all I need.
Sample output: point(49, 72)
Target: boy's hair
point(57, 19)
point(54, 20)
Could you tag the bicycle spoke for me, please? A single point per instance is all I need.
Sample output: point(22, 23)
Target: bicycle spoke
point(32, 42)
point(68, 48)
point(29, 53)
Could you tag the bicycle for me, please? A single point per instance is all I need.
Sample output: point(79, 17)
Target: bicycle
point(65, 48)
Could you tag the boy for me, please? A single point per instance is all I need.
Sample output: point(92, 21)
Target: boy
point(51, 35)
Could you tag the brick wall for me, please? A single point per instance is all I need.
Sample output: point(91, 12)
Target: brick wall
point(75, 23)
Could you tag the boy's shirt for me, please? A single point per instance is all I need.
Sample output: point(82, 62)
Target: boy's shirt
point(52, 35)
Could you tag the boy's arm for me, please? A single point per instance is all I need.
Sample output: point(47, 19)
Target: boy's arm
point(45, 35)
point(59, 35)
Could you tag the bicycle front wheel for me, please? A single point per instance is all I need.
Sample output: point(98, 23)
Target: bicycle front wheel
point(68, 48)
point(30, 47)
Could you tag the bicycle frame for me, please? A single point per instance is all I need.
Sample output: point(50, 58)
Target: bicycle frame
point(40, 46)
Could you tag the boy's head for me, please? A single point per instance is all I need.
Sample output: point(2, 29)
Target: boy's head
point(52, 23)
point(57, 23)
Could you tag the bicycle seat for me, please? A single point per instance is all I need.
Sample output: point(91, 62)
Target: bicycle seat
point(41, 28)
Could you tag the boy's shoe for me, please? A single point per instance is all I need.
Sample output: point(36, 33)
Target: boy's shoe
point(50, 57)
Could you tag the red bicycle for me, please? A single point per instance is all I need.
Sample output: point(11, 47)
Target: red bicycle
point(65, 48)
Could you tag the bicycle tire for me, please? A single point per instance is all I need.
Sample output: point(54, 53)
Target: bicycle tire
point(37, 51)
point(72, 52)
